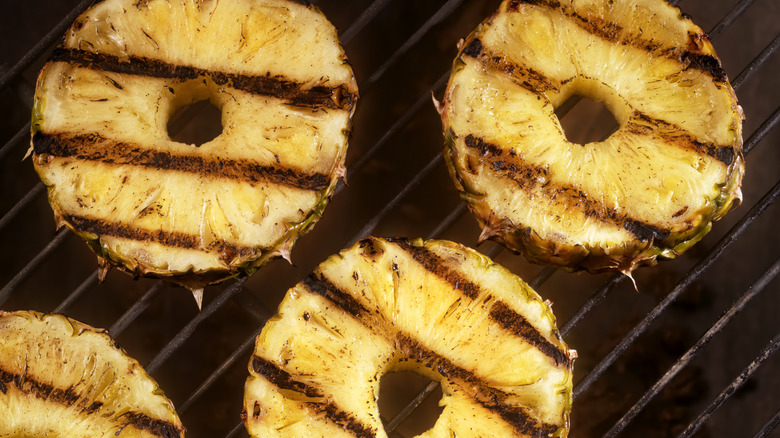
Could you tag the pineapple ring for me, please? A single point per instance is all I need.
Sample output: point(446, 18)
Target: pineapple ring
point(194, 215)
point(652, 189)
point(437, 308)
point(61, 377)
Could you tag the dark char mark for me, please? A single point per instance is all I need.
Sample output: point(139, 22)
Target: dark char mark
point(283, 380)
point(489, 398)
point(94, 147)
point(525, 76)
point(322, 286)
point(517, 324)
point(227, 252)
point(641, 123)
point(68, 397)
point(612, 32)
point(526, 177)
point(500, 312)
point(315, 97)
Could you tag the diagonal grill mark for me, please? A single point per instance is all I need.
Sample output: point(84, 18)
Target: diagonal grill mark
point(517, 324)
point(318, 96)
point(94, 147)
point(531, 177)
point(690, 57)
point(227, 251)
point(489, 398)
point(282, 379)
point(644, 124)
point(500, 312)
point(68, 397)
point(528, 77)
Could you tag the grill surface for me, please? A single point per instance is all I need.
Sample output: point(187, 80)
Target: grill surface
point(691, 348)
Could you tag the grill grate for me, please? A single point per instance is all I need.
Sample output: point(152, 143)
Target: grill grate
point(685, 355)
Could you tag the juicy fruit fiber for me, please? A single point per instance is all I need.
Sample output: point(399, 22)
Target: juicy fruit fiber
point(195, 215)
point(650, 190)
point(61, 377)
point(436, 308)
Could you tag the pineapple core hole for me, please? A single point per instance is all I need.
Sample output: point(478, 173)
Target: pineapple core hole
point(195, 124)
point(397, 390)
point(587, 120)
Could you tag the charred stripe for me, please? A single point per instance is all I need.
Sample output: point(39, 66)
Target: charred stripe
point(526, 176)
point(94, 147)
point(283, 380)
point(525, 76)
point(611, 32)
point(295, 93)
point(500, 312)
point(489, 398)
point(227, 251)
point(68, 397)
point(517, 324)
point(323, 287)
point(640, 123)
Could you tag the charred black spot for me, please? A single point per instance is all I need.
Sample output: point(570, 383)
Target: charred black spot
point(474, 48)
point(706, 63)
point(645, 232)
point(295, 93)
point(323, 287)
point(514, 4)
point(725, 155)
point(517, 324)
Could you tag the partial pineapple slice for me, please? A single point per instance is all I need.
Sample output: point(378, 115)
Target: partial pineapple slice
point(195, 215)
point(652, 189)
point(436, 308)
point(62, 378)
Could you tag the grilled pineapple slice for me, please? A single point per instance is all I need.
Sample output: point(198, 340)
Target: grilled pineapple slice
point(195, 215)
point(436, 308)
point(650, 190)
point(62, 378)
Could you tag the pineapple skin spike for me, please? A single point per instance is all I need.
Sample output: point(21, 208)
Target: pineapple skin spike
point(644, 242)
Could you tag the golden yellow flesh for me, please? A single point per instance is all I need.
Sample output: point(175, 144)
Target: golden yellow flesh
point(407, 308)
point(658, 179)
point(260, 218)
point(63, 378)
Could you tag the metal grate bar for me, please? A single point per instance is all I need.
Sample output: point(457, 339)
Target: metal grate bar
point(762, 130)
point(756, 63)
point(732, 388)
point(185, 332)
point(372, 224)
point(90, 281)
point(43, 44)
point(592, 302)
point(136, 309)
point(216, 374)
point(692, 275)
point(770, 425)
point(443, 12)
point(730, 18)
point(21, 204)
point(392, 130)
point(36, 261)
point(20, 135)
point(360, 22)
point(738, 306)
